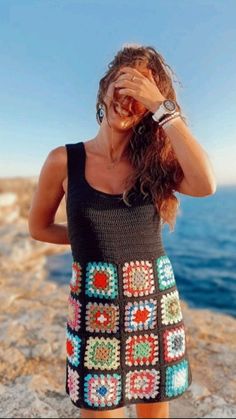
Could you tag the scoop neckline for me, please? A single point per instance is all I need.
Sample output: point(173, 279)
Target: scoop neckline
point(97, 191)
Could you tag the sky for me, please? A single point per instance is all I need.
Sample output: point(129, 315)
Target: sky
point(54, 52)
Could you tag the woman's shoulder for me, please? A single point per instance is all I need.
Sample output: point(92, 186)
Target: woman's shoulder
point(56, 161)
point(58, 153)
point(58, 156)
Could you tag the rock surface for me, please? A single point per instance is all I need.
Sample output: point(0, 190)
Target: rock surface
point(33, 312)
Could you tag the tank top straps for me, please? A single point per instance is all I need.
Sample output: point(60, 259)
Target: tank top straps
point(75, 166)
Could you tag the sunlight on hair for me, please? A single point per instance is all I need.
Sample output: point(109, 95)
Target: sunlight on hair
point(131, 44)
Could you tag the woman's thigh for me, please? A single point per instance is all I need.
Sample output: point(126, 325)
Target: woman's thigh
point(92, 414)
point(153, 410)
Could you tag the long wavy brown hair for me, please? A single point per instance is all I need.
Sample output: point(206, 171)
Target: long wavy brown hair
point(157, 172)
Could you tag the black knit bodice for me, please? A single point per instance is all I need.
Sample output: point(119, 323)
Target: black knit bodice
point(102, 226)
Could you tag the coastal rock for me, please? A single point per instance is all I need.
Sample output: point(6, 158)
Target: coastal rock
point(7, 199)
point(34, 396)
point(223, 412)
point(198, 392)
point(9, 208)
point(23, 189)
point(217, 407)
point(20, 401)
point(19, 251)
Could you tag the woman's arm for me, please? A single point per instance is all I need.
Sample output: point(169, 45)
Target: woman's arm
point(46, 200)
point(199, 178)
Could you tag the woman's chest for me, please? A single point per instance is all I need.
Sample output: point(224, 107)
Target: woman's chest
point(105, 178)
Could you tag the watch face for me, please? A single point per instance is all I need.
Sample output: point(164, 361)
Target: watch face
point(169, 105)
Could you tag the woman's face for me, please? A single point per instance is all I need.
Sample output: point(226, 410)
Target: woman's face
point(124, 112)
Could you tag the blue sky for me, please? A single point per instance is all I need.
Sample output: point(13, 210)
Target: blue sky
point(53, 53)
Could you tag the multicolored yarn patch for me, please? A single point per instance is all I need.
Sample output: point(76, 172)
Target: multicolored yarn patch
point(140, 315)
point(165, 273)
point(101, 280)
point(177, 379)
point(174, 343)
point(74, 313)
point(142, 384)
point(170, 308)
point(141, 350)
point(76, 278)
point(102, 353)
point(103, 390)
point(73, 383)
point(102, 318)
point(73, 346)
point(138, 278)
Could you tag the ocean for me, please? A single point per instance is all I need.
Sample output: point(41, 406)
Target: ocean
point(202, 250)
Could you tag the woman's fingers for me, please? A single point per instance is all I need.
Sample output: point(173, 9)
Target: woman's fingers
point(110, 93)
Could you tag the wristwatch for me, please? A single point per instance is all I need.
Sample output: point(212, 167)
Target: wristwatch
point(167, 107)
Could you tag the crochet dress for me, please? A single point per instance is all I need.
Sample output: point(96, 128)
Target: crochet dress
point(125, 336)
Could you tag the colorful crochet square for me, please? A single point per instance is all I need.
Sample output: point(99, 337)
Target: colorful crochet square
point(170, 308)
point(101, 280)
point(73, 346)
point(140, 315)
point(141, 350)
point(138, 278)
point(165, 273)
point(74, 313)
point(102, 318)
point(73, 383)
point(142, 384)
point(174, 343)
point(76, 278)
point(177, 379)
point(103, 390)
point(102, 353)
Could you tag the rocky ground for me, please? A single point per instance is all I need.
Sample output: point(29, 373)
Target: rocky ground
point(33, 312)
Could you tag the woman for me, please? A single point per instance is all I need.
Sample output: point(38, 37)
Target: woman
point(126, 340)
